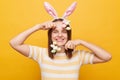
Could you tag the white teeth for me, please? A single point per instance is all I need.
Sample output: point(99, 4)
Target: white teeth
point(59, 39)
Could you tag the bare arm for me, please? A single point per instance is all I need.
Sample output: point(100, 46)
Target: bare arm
point(100, 54)
point(18, 42)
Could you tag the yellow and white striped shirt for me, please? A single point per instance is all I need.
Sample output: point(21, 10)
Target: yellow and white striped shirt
point(59, 68)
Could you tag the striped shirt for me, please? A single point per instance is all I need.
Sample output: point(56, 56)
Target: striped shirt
point(60, 68)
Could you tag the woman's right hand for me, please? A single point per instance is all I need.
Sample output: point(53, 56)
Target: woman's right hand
point(18, 42)
point(46, 25)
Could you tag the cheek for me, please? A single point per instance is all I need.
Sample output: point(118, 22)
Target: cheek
point(53, 36)
point(65, 35)
point(66, 38)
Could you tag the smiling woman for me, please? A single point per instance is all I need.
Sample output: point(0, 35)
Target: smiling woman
point(60, 35)
point(63, 64)
point(65, 61)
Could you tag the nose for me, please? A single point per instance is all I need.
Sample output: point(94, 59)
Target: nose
point(59, 34)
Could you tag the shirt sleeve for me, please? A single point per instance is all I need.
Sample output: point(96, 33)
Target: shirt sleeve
point(35, 53)
point(86, 57)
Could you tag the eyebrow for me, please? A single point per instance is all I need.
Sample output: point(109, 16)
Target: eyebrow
point(55, 28)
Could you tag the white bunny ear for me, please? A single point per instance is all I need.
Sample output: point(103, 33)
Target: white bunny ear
point(50, 10)
point(70, 10)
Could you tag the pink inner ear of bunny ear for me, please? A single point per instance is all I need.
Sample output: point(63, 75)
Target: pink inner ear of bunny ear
point(50, 10)
point(70, 9)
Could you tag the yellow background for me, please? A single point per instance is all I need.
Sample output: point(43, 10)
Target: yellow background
point(96, 21)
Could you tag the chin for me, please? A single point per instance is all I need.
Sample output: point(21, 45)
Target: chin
point(60, 44)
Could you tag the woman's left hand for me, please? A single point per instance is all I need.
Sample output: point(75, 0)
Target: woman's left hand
point(71, 44)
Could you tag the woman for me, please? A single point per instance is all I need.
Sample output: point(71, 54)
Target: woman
point(65, 63)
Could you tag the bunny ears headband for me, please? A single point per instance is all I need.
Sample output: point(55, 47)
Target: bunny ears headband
point(53, 12)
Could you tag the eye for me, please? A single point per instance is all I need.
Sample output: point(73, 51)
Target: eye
point(55, 31)
point(64, 31)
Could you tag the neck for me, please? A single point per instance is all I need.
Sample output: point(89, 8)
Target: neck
point(62, 49)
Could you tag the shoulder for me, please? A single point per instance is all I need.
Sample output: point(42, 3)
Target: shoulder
point(75, 53)
point(36, 47)
point(79, 52)
point(35, 51)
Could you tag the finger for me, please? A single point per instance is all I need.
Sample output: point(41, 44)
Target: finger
point(54, 25)
point(70, 46)
point(48, 26)
point(51, 25)
point(67, 45)
point(44, 27)
point(73, 46)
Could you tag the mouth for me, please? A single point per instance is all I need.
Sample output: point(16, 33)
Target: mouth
point(59, 40)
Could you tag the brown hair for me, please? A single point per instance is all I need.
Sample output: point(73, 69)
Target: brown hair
point(69, 51)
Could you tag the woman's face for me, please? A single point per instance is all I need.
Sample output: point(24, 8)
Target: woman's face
point(59, 34)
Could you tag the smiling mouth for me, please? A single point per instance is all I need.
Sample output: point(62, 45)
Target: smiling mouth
point(59, 40)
